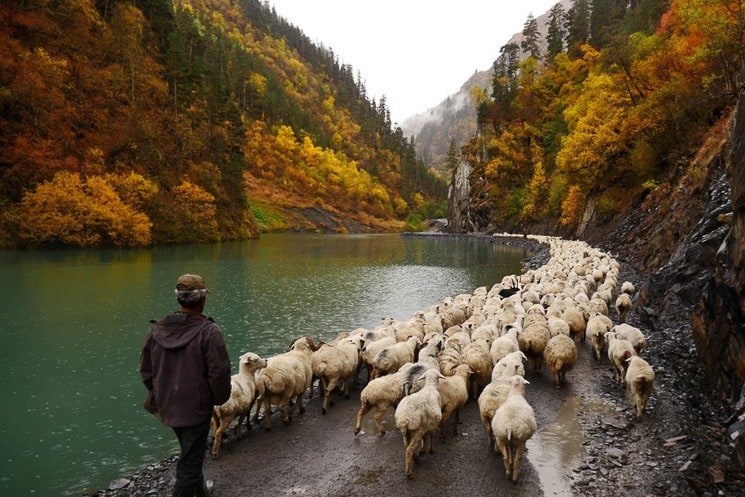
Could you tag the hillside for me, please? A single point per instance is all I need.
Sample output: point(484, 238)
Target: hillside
point(140, 123)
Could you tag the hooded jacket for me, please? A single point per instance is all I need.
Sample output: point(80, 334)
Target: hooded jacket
point(186, 368)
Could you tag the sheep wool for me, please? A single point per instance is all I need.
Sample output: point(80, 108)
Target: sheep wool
point(335, 365)
point(640, 378)
point(380, 394)
point(560, 357)
point(453, 395)
point(286, 377)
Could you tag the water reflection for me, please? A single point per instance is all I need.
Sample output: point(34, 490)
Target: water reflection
point(555, 450)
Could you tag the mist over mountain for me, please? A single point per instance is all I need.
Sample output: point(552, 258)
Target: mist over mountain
point(454, 119)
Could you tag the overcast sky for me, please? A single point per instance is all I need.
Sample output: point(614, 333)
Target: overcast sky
point(415, 52)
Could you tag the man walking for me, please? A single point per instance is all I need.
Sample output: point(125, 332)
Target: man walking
point(186, 368)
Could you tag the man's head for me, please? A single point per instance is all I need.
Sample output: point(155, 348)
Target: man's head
point(191, 291)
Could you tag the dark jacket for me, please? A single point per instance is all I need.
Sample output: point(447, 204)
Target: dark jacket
point(186, 368)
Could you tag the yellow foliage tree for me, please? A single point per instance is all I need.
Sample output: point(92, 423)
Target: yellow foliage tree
point(69, 210)
point(197, 212)
point(537, 193)
point(132, 188)
point(595, 142)
point(572, 206)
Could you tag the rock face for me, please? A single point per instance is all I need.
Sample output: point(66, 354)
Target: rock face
point(718, 320)
point(459, 220)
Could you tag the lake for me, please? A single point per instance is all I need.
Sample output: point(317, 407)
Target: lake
point(74, 323)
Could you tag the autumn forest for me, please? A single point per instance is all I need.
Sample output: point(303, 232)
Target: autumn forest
point(132, 123)
point(147, 122)
point(615, 101)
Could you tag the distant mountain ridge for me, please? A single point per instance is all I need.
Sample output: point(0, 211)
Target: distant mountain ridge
point(454, 119)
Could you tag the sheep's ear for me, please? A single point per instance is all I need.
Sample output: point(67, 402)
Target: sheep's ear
point(524, 381)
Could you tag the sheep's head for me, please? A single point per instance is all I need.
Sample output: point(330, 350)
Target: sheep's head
point(252, 361)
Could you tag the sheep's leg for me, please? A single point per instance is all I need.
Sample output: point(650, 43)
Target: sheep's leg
point(364, 409)
point(259, 401)
point(327, 394)
point(248, 414)
point(266, 422)
point(285, 412)
point(504, 450)
point(457, 421)
point(239, 426)
point(430, 441)
point(516, 461)
point(218, 439)
point(377, 417)
point(410, 453)
point(405, 436)
point(345, 388)
point(300, 406)
point(489, 433)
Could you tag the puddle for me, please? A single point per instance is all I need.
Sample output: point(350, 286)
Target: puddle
point(555, 450)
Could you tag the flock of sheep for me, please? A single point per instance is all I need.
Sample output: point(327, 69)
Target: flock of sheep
point(471, 347)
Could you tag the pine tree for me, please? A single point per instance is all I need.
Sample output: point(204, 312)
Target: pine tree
point(531, 38)
point(577, 25)
point(556, 33)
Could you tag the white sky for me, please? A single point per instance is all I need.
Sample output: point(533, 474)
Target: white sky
point(415, 52)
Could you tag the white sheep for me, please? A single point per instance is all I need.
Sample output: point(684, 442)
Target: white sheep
point(627, 287)
point(286, 377)
point(448, 359)
point(453, 315)
point(513, 424)
point(453, 395)
point(476, 355)
point(597, 326)
point(632, 334)
point(504, 345)
point(492, 396)
point(370, 349)
point(640, 378)
point(560, 356)
point(242, 397)
point(392, 357)
point(533, 340)
point(576, 320)
point(510, 365)
point(597, 305)
point(335, 365)
point(618, 352)
point(623, 306)
point(380, 394)
point(426, 359)
point(418, 416)
point(556, 325)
